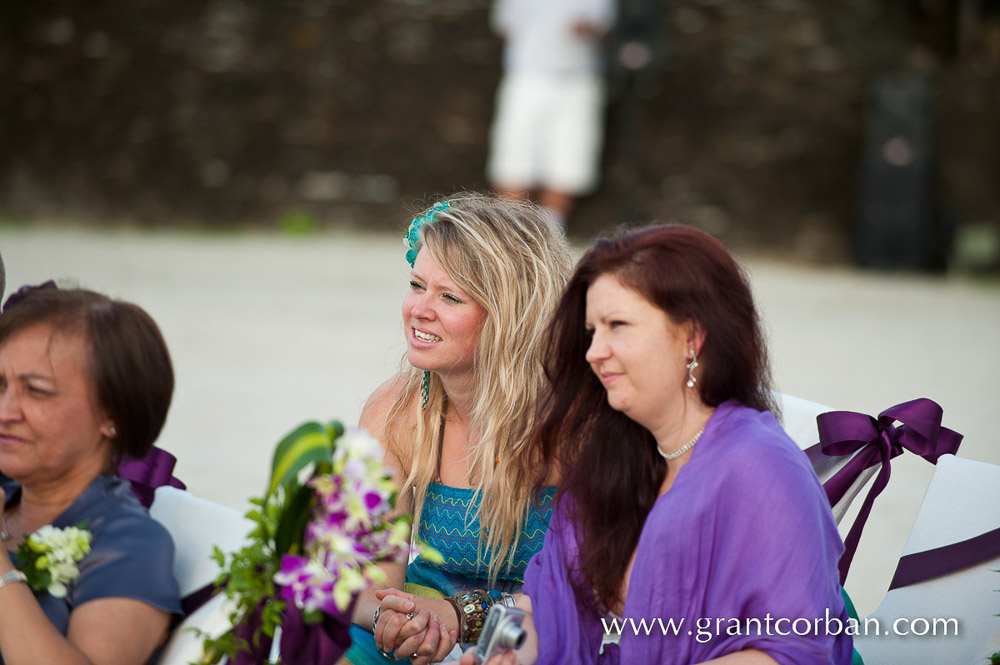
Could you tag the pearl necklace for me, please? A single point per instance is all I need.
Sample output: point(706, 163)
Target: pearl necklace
point(683, 449)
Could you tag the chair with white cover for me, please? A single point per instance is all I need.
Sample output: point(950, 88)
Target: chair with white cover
point(798, 417)
point(962, 502)
point(197, 525)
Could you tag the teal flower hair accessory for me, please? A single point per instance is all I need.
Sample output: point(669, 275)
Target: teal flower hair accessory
point(412, 237)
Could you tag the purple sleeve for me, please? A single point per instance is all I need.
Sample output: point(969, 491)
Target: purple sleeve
point(567, 634)
point(783, 562)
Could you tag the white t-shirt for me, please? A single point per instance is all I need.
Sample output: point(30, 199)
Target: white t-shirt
point(540, 35)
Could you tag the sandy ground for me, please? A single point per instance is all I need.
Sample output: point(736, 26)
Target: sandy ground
point(267, 332)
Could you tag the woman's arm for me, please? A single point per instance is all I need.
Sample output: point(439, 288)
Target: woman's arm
point(748, 657)
point(432, 630)
point(373, 419)
point(110, 631)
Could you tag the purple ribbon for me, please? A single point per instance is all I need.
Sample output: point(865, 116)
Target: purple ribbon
point(302, 643)
point(876, 440)
point(920, 566)
point(154, 470)
point(192, 602)
point(20, 294)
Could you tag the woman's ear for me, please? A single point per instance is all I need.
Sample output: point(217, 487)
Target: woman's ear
point(695, 336)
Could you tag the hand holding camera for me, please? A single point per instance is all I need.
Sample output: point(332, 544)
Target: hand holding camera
point(501, 634)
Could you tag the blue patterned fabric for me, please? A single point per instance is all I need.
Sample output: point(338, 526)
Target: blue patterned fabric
point(443, 527)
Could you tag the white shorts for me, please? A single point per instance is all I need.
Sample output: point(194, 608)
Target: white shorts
point(547, 132)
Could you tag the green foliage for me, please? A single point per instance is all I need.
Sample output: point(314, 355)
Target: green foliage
point(298, 223)
point(311, 443)
point(279, 519)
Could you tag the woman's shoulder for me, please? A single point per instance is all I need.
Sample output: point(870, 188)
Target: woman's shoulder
point(752, 431)
point(754, 446)
point(379, 408)
point(131, 556)
point(116, 514)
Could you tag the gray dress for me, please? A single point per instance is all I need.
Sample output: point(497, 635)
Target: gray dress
point(131, 554)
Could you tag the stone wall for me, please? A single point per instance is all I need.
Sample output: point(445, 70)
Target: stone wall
point(749, 121)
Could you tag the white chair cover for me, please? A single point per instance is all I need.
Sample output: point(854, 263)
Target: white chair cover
point(962, 502)
point(196, 525)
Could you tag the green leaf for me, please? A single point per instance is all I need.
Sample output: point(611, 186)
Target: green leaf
point(292, 525)
point(308, 443)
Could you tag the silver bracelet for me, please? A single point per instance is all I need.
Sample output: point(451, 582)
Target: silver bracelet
point(508, 600)
point(12, 576)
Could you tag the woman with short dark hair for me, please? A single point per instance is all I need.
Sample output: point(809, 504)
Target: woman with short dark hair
point(85, 382)
point(682, 499)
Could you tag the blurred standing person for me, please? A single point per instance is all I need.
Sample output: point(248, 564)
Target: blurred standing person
point(548, 126)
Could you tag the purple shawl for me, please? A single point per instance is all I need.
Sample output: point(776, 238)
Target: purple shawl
point(745, 532)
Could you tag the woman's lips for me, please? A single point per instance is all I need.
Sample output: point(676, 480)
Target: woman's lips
point(10, 440)
point(607, 378)
point(422, 339)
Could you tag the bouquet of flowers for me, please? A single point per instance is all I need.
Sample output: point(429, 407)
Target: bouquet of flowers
point(321, 530)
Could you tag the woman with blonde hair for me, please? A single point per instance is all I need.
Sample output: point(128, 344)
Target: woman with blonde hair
point(486, 276)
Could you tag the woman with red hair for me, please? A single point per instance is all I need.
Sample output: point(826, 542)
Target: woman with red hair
point(683, 504)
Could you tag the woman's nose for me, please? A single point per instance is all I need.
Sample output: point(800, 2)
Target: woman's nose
point(598, 349)
point(422, 307)
point(10, 410)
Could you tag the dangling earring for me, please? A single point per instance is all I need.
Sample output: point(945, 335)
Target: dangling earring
point(690, 367)
point(425, 388)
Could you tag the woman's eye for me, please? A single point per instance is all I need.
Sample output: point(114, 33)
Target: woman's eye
point(451, 298)
point(616, 324)
point(588, 332)
point(415, 286)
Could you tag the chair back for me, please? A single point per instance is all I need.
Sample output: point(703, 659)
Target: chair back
point(962, 502)
point(197, 525)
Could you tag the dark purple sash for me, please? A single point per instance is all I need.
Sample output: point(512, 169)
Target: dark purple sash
point(920, 566)
point(878, 440)
point(154, 470)
point(302, 643)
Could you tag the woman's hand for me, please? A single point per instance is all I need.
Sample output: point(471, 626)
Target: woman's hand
point(414, 628)
point(470, 658)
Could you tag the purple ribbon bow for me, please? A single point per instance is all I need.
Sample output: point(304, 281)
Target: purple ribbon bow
point(154, 470)
point(22, 292)
point(301, 643)
point(879, 440)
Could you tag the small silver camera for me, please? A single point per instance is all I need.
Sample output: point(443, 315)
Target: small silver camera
point(501, 632)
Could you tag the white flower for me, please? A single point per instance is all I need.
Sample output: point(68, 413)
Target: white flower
point(50, 556)
point(356, 443)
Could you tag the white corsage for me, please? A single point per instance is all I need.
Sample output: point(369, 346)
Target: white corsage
point(49, 557)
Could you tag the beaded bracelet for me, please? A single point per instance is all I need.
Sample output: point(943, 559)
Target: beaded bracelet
point(474, 605)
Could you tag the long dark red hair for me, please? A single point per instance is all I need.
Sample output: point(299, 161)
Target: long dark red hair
point(610, 470)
